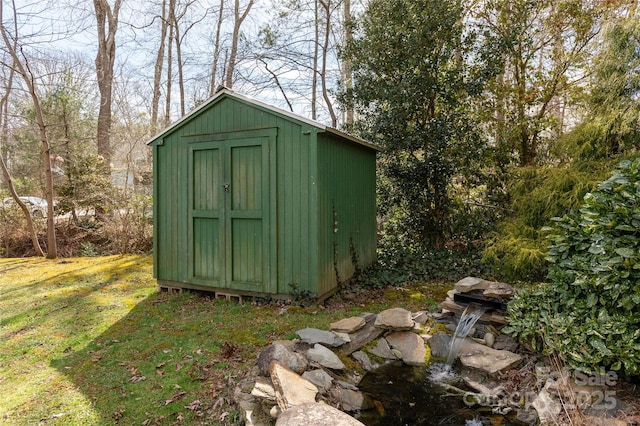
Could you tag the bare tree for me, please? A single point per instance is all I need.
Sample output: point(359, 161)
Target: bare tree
point(302, 40)
point(172, 17)
point(107, 22)
point(327, 6)
point(216, 51)
point(544, 45)
point(237, 24)
point(347, 78)
point(316, 51)
point(21, 65)
point(180, 35)
point(4, 136)
point(157, 73)
point(167, 103)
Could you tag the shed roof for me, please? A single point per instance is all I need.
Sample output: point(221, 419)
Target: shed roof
point(230, 93)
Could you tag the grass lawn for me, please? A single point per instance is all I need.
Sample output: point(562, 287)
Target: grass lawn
point(90, 341)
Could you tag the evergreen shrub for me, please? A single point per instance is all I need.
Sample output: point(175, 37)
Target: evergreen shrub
point(516, 252)
point(589, 313)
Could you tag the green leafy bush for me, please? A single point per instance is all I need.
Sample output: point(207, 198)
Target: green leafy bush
point(590, 312)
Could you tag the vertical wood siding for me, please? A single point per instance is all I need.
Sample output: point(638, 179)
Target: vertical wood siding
point(310, 178)
point(346, 210)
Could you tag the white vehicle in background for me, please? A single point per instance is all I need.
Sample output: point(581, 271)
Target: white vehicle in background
point(37, 206)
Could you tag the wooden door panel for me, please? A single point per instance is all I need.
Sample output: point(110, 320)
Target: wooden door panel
point(246, 178)
point(206, 212)
point(247, 207)
point(207, 178)
point(247, 263)
point(207, 256)
point(229, 213)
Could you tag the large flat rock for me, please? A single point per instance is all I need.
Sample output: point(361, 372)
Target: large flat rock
point(279, 352)
point(320, 378)
point(395, 319)
point(291, 389)
point(492, 316)
point(499, 290)
point(316, 414)
point(410, 345)
point(363, 336)
point(440, 344)
point(481, 357)
point(325, 357)
point(382, 349)
point(348, 325)
point(314, 335)
point(468, 284)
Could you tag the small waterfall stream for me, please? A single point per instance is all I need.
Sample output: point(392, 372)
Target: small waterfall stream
point(414, 396)
point(469, 318)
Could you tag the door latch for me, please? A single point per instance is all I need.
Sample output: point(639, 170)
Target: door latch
point(226, 187)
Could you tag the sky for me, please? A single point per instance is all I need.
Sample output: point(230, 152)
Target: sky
point(50, 28)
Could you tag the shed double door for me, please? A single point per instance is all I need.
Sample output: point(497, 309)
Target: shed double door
point(229, 213)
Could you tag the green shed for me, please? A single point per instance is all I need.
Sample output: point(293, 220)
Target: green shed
point(253, 200)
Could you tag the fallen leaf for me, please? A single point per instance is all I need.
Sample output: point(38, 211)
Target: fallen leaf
point(136, 379)
point(228, 349)
point(179, 366)
point(194, 405)
point(220, 401)
point(175, 397)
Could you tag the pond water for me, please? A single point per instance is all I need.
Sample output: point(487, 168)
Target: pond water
point(412, 396)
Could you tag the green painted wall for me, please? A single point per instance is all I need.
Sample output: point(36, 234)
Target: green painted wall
point(311, 178)
point(346, 210)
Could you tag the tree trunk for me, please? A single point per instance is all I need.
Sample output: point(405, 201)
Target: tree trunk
point(107, 23)
point(316, 50)
point(4, 115)
point(25, 210)
point(30, 81)
point(323, 72)
point(157, 72)
point(4, 136)
point(179, 62)
point(346, 64)
point(237, 23)
point(216, 53)
point(167, 106)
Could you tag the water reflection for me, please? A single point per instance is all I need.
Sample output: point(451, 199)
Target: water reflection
point(411, 396)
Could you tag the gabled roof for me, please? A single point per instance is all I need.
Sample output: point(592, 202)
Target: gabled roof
point(230, 93)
